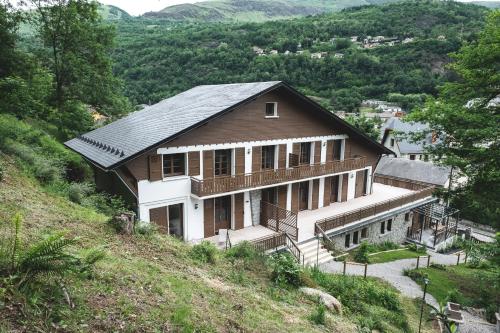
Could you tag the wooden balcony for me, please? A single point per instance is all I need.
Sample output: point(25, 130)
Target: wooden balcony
point(217, 185)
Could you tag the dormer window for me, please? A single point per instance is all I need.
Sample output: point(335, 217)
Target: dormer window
point(272, 110)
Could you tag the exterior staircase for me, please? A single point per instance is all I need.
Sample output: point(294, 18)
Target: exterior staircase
point(311, 254)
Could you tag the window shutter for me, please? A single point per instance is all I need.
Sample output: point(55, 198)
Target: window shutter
point(347, 149)
point(240, 161)
point(256, 158)
point(155, 172)
point(194, 163)
point(317, 152)
point(282, 156)
point(329, 150)
point(208, 164)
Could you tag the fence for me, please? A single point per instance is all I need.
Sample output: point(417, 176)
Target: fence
point(278, 219)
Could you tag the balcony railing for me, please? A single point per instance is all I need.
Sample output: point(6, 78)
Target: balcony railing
point(217, 185)
point(359, 214)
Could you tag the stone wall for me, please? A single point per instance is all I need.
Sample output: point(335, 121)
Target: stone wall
point(255, 197)
point(396, 235)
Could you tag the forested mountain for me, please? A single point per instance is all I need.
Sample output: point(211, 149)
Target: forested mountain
point(254, 10)
point(158, 59)
point(109, 12)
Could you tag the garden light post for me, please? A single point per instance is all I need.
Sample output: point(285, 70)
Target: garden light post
point(426, 282)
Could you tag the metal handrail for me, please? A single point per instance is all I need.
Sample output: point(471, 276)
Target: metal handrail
point(294, 248)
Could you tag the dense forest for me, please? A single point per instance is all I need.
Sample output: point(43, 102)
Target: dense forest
point(157, 59)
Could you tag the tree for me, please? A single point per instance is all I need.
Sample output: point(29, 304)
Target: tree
point(78, 47)
point(466, 116)
point(369, 126)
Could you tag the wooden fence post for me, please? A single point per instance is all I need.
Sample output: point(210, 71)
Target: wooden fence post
point(345, 264)
point(428, 260)
point(458, 258)
point(366, 266)
point(418, 261)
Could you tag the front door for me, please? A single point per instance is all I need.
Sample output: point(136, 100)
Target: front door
point(222, 213)
point(334, 193)
point(303, 196)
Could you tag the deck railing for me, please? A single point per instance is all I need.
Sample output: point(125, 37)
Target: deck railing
point(217, 185)
point(359, 214)
point(400, 182)
point(270, 242)
point(278, 219)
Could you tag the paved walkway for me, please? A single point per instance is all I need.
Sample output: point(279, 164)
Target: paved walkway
point(392, 272)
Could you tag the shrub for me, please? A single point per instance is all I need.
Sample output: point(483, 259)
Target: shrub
point(385, 246)
point(244, 250)
point(285, 270)
point(415, 248)
point(145, 228)
point(455, 296)
point(438, 266)
point(318, 316)
point(307, 280)
point(361, 254)
point(205, 252)
point(46, 171)
point(78, 191)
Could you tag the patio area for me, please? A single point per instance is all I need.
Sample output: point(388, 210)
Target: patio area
point(245, 234)
point(381, 193)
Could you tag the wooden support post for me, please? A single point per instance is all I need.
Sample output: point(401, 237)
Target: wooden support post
point(366, 266)
point(345, 264)
point(418, 261)
point(428, 260)
point(458, 258)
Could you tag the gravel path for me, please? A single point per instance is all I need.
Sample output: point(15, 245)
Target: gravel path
point(392, 272)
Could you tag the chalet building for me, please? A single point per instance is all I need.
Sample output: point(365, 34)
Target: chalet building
point(252, 161)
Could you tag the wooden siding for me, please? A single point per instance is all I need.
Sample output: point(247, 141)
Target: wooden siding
point(295, 197)
point(315, 194)
point(348, 153)
point(329, 150)
point(327, 191)
point(159, 217)
point(296, 148)
point(208, 218)
point(238, 211)
point(256, 158)
point(208, 163)
point(317, 152)
point(359, 186)
point(155, 172)
point(345, 180)
point(194, 163)
point(282, 193)
point(240, 160)
point(282, 156)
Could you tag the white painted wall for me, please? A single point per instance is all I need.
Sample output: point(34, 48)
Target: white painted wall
point(351, 185)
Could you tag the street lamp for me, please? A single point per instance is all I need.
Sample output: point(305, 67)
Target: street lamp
point(426, 282)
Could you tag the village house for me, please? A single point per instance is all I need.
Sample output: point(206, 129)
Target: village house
point(258, 162)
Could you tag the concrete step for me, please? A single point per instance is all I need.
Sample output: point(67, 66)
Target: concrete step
point(319, 255)
point(321, 259)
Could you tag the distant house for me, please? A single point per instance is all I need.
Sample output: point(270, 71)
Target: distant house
point(354, 39)
point(287, 52)
point(441, 37)
point(338, 55)
point(407, 40)
point(389, 108)
point(372, 102)
point(257, 50)
point(318, 55)
point(273, 52)
point(396, 135)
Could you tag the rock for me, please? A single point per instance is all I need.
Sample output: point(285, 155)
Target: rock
point(328, 300)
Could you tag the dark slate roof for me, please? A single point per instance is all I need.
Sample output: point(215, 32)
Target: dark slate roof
point(406, 146)
point(413, 170)
point(113, 143)
point(138, 132)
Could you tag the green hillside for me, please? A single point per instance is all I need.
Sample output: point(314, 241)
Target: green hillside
point(157, 59)
point(253, 10)
point(109, 12)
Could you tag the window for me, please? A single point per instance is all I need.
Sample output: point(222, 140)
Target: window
point(382, 227)
point(272, 109)
point(222, 165)
point(347, 240)
point(392, 142)
point(267, 157)
point(305, 153)
point(426, 157)
point(407, 217)
point(175, 227)
point(412, 157)
point(389, 224)
point(355, 237)
point(337, 149)
point(173, 165)
point(364, 233)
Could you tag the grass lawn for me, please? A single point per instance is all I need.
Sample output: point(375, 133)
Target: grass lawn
point(393, 255)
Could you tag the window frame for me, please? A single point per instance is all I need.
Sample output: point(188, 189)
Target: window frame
point(388, 225)
point(347, 241)
point(268, 154)
point(218, 164)
point(365, 232)
point(337, 150)
point(275, 110)
point(301, 153)
point(382, 227)
point(392, 142)
point(173, 173)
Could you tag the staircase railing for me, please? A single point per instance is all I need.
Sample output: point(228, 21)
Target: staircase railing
point(294, 249)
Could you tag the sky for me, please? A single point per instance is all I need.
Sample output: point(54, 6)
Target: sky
point(138, 7)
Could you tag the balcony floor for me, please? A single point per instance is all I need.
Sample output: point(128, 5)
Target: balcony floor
point(381, 192)
point(245, 234)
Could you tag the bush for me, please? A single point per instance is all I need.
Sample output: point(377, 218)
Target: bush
point(318, 317)
point(438, 266)
point(145, 228)
point(46, 171)
point(415, 248)
point(244, 250)
point(361, 254)
point(78, 191)
point(455, 296)
point(285, 270)
point(306, 279)
point(205, 252)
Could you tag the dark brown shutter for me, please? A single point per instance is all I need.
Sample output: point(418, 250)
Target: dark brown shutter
point(208, 218)
point(282, 157)
point(256, 159)
point(295, 197)
point(329, 150)
point(240, 161)
point(155, 172)
point(345, 180)
point(208, 164)
point(347, 149)
point(327, 192)
point(238, 211)
point(194, 163)
point(315, 194)
point(282, 196)
point(317, 152)
point(159, 217)
point(296, 148)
